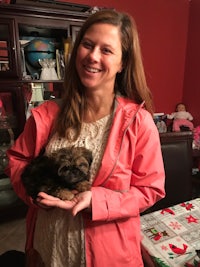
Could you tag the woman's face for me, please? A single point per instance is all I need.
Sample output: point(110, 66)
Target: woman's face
point(99, 57)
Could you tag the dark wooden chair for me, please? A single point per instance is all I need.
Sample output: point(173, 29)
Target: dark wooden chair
point(177, 156)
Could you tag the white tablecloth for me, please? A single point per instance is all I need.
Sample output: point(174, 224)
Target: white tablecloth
point(172, 236)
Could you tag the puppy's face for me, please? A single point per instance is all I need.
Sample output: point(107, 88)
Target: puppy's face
point(74, 164)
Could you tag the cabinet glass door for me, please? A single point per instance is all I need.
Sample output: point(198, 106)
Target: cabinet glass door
point(8, 67)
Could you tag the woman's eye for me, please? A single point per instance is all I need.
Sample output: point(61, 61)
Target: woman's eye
point(87, 45)
point(106, 51)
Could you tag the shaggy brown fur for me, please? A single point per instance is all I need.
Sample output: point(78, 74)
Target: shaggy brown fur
point(67, 169)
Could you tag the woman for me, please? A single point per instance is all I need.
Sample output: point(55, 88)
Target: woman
point(107, 108)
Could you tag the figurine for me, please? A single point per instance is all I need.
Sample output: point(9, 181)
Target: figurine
point(48, 69)
point(181, 119)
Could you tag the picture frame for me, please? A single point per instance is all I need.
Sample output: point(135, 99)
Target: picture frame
point(74, 29)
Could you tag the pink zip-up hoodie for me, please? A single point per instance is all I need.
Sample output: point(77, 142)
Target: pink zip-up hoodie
point(130, 179)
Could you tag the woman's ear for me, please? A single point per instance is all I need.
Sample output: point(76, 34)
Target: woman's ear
point(120, 69)
point(122, 66)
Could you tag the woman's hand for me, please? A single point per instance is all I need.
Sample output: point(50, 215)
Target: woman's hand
point(80, 202)
point(83, 201)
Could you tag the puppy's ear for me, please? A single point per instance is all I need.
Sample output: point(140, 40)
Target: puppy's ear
point(82, 151)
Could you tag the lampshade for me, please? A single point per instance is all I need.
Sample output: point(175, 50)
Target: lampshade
point(37, 95)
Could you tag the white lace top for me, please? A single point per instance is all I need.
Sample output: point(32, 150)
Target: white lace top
point(59, 237)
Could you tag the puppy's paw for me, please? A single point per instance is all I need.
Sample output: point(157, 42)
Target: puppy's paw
point(65, 194)
point(83, 186)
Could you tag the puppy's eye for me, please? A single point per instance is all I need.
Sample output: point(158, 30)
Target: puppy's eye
point(63, 161)
point(83, 165)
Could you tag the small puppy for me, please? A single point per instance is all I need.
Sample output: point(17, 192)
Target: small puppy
point(65, 170)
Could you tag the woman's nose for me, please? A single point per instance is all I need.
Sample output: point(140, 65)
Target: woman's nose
point(95, 54)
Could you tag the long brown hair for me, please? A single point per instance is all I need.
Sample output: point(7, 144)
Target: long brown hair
point(131, 82)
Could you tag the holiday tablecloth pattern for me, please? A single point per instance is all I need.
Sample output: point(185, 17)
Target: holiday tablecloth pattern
point(172, 236)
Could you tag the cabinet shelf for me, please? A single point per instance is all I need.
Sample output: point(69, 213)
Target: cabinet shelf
point(41, 81)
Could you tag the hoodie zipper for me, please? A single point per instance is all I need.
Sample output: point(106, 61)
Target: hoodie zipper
point(131, 121)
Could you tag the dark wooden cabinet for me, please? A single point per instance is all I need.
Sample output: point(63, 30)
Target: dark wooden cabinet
point(23, 26)
point(8, 51)
point(20, 25)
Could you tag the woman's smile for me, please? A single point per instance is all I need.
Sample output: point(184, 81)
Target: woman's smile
point(91, 69)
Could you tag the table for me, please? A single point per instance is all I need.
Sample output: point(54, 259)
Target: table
point(171, 236)
point(196, 172)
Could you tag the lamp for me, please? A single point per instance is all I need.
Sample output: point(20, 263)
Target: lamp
point(36, 97)
point(37, 94)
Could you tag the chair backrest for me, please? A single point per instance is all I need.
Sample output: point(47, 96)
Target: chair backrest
point(177, 157)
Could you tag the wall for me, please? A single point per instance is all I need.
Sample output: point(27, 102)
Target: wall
point(163, 27)
point(191, 92)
